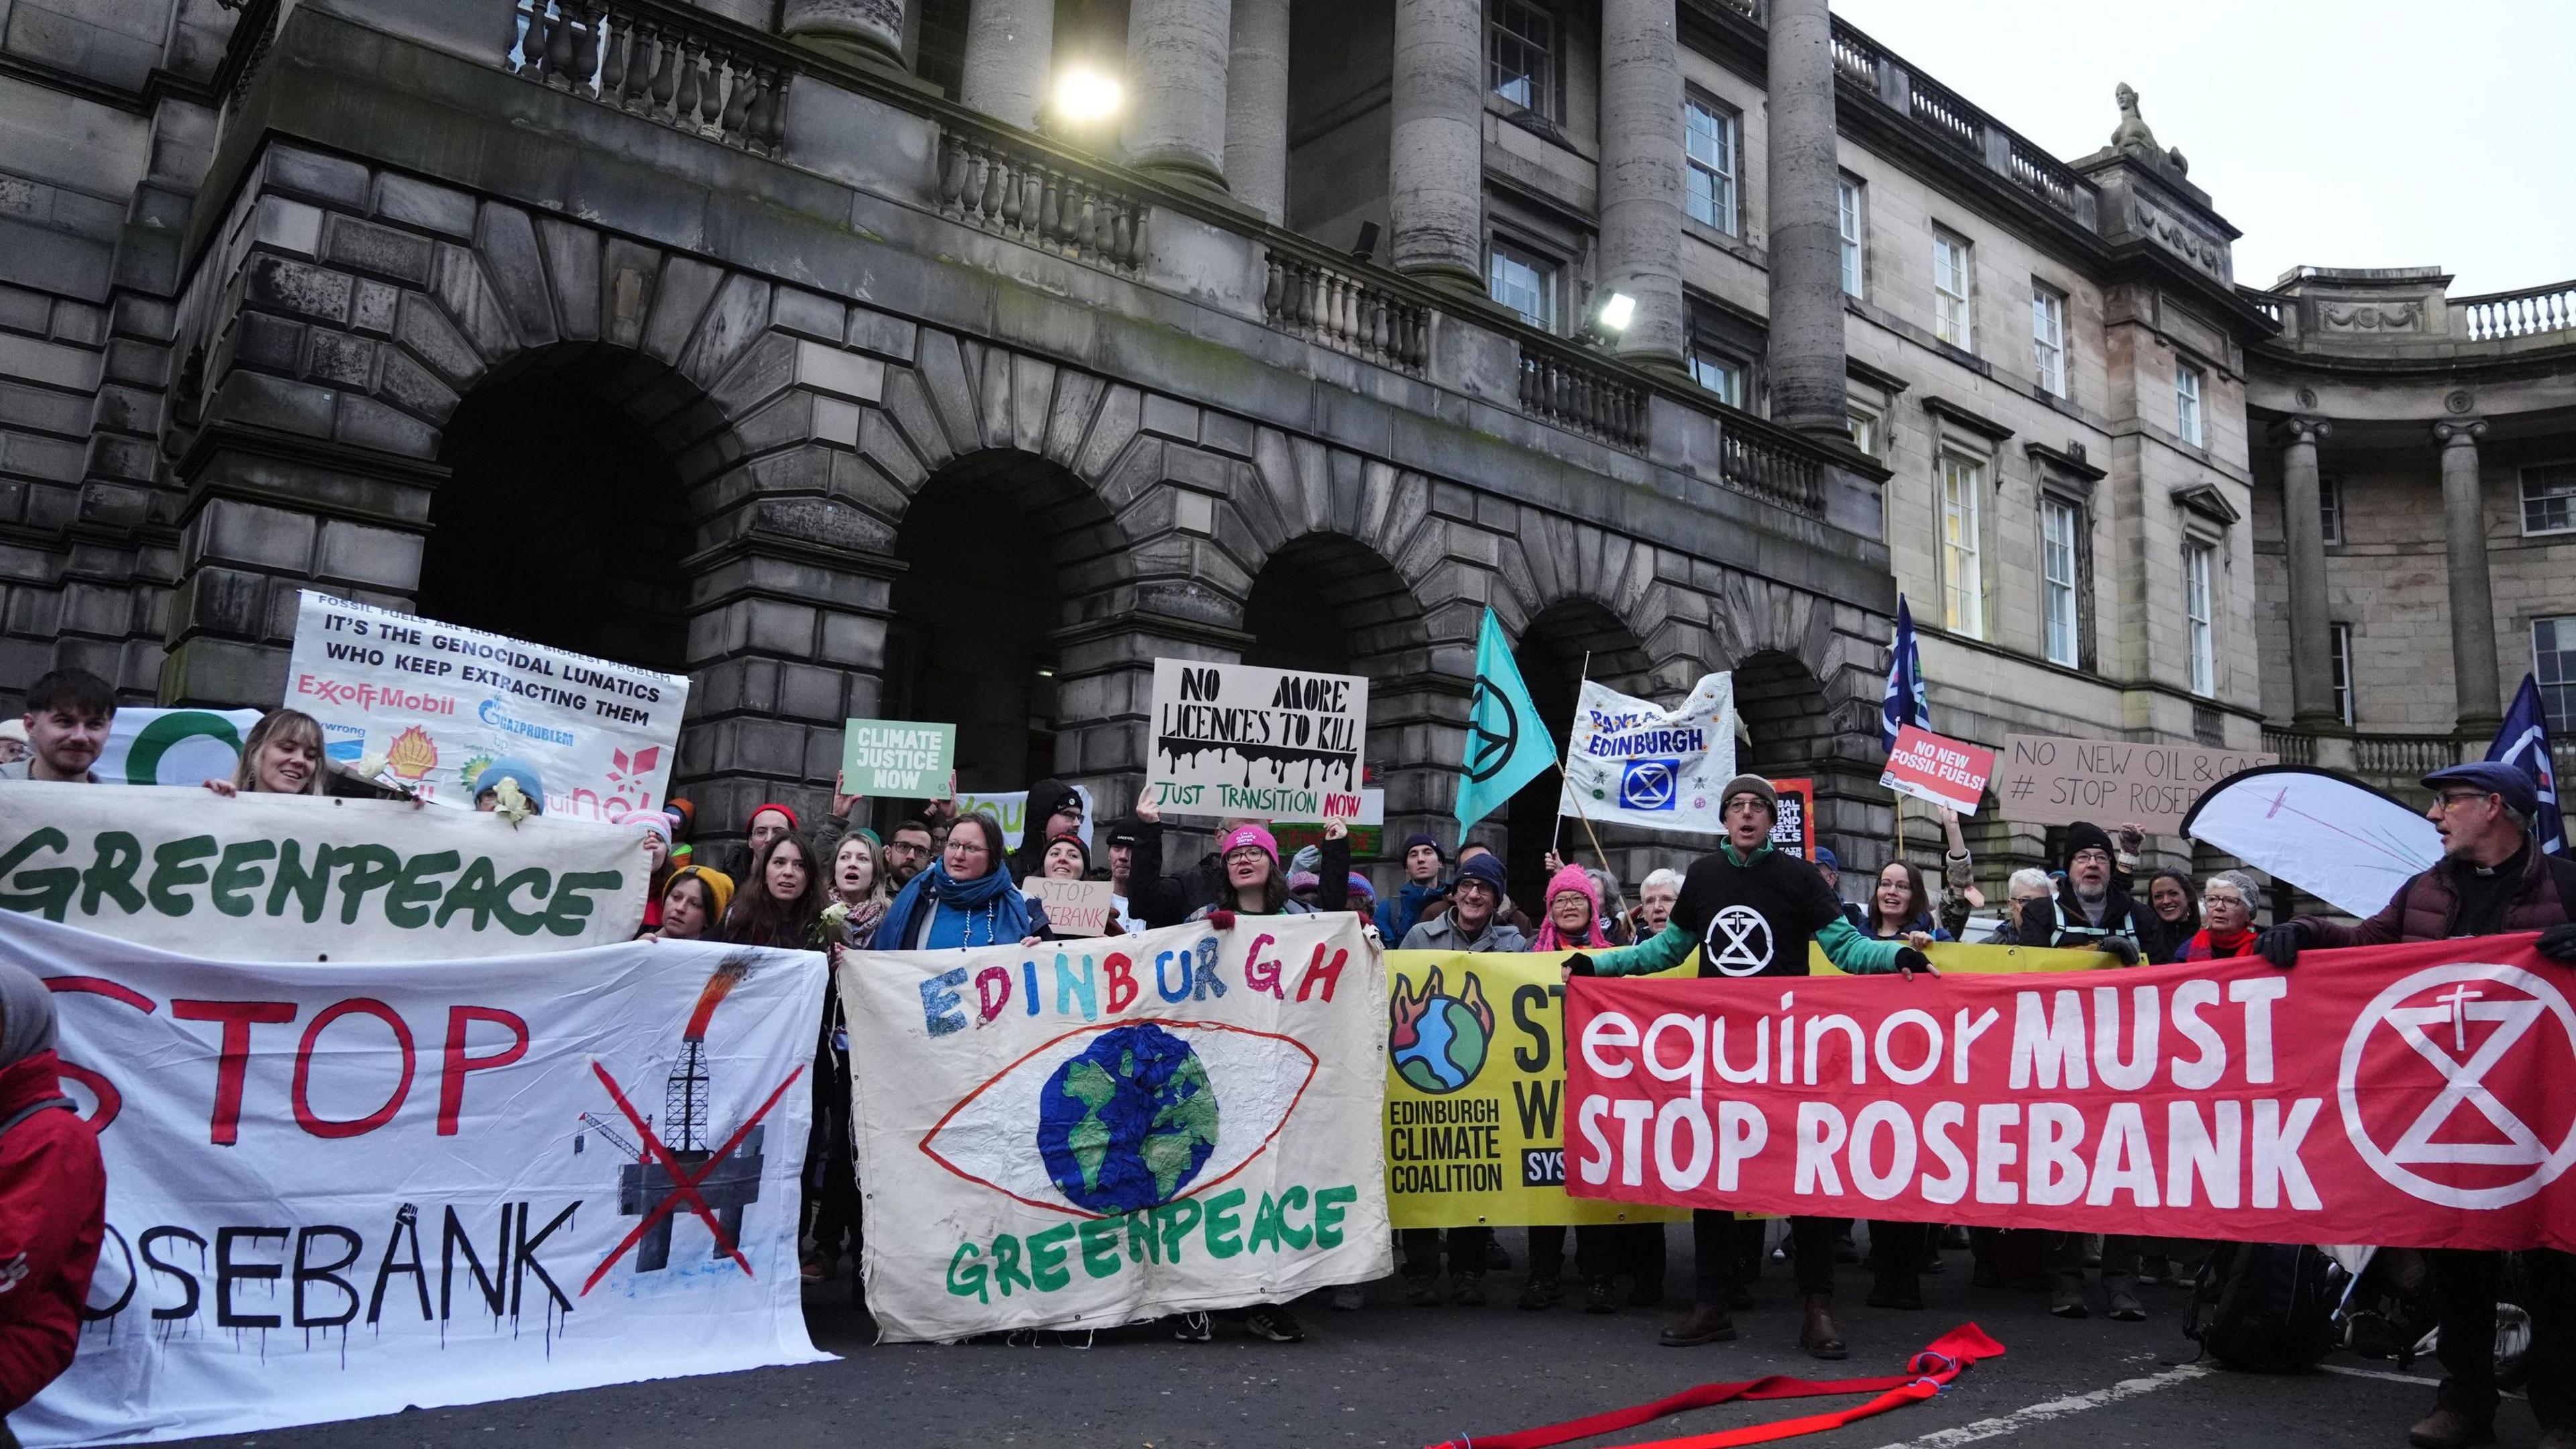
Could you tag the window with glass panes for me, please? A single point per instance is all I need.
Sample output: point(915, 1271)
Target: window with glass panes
point(1524, 282)
point(1720, 374)
point(1864, 431)
point(1709, 145)
point(2199, 562)
point(2549, 498)
point(1963, 583)
point(1850, 221)
point(1954, 291)
point(2187, 417)
point(1521, 46)
point(2343, 673)
point(2060, 526)
point(2553, 668)
point(2048, 338)
point(2330, 509)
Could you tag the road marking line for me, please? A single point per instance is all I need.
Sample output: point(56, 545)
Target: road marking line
point(2395, 1378)
point(2043, 1413)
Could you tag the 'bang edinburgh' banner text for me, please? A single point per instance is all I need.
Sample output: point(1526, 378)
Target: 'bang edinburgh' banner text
point(2409, 1096)
point(1085, 1133)
point(336, 1190)
point(1633, 762)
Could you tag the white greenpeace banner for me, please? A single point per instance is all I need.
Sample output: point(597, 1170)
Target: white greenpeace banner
point(431, 704)
point(1089, 1133)
point(172, 746)
point(336, 1190)
point(1633, 762)
point(303, 877)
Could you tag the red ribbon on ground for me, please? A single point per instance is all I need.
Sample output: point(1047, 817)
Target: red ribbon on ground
point(1944, 1359)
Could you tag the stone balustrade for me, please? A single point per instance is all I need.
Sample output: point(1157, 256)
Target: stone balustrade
point(655, 59)
point(1774, 466)
point(1582, 397)
point(2527, 313)
point(1327, 305)
point(1019, 191)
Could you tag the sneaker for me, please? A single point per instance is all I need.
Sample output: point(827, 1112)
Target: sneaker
point(1467, 1290)
point(2154, 1269)
point(2125, 1308)
point(1192, 1328)
point(1349, 1298)
point(1273, 1321)
point(811, 1270)
point(2066, 1307)
point(1601, 1295)
point(1541, 1293)
point(1422, 1292)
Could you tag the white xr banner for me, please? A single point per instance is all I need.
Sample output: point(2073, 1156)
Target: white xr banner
point(337, 1190)
point(1083, 1134)
point(1634, 762)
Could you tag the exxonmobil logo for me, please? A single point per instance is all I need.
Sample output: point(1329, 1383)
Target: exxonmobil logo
point(373, 698)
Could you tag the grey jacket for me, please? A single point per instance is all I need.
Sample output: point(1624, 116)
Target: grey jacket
point(1441, 933)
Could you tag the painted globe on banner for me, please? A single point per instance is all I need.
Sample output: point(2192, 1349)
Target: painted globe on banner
point(1130, 1122)
point(1438, 1041)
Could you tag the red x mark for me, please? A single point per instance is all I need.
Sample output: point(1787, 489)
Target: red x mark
point(684, 1183)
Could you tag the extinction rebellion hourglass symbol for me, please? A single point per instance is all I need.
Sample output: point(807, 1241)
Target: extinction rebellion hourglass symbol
point(2454, 1032)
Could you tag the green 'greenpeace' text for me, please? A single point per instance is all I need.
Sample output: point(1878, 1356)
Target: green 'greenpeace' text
point(1294, 1221)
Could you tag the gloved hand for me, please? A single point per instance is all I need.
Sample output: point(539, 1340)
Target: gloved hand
point(2280, 945)
point(2558, 943)
point(1909, 961)
point(2122, 949)
point(1222, 920)
point(1575, 965)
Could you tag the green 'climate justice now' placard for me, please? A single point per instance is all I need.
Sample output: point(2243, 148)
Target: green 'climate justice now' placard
point(899, 758)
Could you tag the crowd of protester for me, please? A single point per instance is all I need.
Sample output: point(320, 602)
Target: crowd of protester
point(947, 878)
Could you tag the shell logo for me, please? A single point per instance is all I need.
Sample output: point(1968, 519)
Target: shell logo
point(412, 754)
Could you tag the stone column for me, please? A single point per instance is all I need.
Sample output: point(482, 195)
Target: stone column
point(1641, 177)
point(1010, 47)
point(1176, 60)
point(2464, 536)
point(864, 32)
point(1436, 161)
point(754, 13)
point(1256, 108)
point(2303, 525)
point(1807, 386)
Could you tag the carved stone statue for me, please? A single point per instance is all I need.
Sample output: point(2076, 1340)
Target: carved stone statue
point(2135, 136)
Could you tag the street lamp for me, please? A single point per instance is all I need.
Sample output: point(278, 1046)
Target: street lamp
point(1617, 313)
point(1084, 95)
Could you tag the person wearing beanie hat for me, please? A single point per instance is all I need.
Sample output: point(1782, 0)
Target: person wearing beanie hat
point(656, 827)
point(1065, 857)
point(1423, 861)
point(769, 820)
point(1750, 910)
point(2094, 908)
point(487, 784)
point(694, 902)
point(1053, 808)
point(1474, 920)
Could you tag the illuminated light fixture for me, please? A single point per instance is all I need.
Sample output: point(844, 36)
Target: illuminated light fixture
point(1618, 312)
point(1084, 94)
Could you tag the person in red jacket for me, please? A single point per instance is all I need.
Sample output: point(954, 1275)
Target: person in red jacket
point(53, 1199)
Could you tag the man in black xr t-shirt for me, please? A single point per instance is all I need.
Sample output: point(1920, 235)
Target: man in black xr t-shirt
point(1751, 912)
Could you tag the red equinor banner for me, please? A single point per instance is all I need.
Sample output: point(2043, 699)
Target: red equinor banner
point(2406, 1096)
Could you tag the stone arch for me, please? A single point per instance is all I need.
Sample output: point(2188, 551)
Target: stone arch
point(1563, 641)
point(1794, 730)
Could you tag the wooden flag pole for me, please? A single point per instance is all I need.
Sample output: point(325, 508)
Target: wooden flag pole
point(1618, 892)
point(1556, 831)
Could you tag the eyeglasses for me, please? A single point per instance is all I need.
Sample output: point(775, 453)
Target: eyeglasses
point(963, 846)
point(2238, 902)
point(2450, 798)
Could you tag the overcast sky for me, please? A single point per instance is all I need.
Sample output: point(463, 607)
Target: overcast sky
point(2351, 133)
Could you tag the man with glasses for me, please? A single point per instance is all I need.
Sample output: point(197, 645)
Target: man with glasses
point(1750, 910)
point(2492, 879)
point(909, 851)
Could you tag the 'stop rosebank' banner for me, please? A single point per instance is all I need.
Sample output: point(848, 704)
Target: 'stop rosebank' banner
point(300, 877)
point(1633, 762)
point(2409, 1096)
point(1237, 739)
point(435, 703)
point(341, 1189)
point(2055, 780)
point(1084, 1134)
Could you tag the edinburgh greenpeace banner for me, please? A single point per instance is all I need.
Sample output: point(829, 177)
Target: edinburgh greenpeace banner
point(337, 1189)
point(1633, 762)
point(429, 705)
point(1086, 1133)
point(2409, 1096)
point(304, 877)
point(1475, 1083)
point(172, 746)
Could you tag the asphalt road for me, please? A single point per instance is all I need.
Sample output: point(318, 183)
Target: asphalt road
point(1393, 1375)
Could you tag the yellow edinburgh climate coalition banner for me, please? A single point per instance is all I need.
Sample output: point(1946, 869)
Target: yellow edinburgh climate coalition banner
point(1475, 1084)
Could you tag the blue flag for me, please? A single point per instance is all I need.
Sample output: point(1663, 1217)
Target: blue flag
point(2524, 741)
point(1507, 747)
point(1905, 704)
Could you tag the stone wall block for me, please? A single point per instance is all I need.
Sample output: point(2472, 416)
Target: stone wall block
point(230, 530)
point(517, 271)
point(858, 482)
point(122, 408)
point(1170, 417)
point(422, 327)
point(884, 445)
point(33, 407)
point(111, 456)
point(300, 287)
point(1070, 412)
point(414, 202)
point(907, 401)
point(1136, 472)
point(843, 374)
point(363, 422)
point(766, 369)
point(264, 339)
point(734, 320)
point(856, 640)
point(364, 246)
point(883, 333)
point(811, 314)
point(128, 359)
point(786, 420)
point(458, 283)
point(1033, 385)
point(992, 370)
point(340, 359)
point(408, 385)
point(572, 260)
point(292, 226)
point(952, 397)
point(629, 276)
point(367, 555)
point(274, 402)
point(687, 286)
point(299, 172)
point(373, 311)
point(809, 692)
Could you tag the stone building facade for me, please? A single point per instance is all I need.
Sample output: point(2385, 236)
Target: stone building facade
point(803, 346)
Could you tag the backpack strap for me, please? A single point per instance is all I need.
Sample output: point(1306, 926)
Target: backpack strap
point(32, 1108)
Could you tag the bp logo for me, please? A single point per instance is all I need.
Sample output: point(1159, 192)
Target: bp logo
point(1438, 1041)
point(2432, 1043)
point(1649, 784)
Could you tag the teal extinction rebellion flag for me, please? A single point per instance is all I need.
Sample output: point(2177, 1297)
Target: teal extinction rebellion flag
point(1507, 747)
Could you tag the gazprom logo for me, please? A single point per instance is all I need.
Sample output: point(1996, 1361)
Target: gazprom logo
point(498, 718)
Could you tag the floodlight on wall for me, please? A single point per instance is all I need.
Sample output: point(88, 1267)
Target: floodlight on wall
point(1617, 313)
point(1083, 94)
